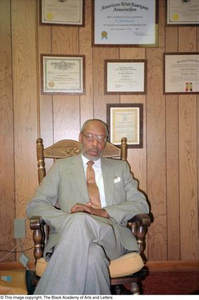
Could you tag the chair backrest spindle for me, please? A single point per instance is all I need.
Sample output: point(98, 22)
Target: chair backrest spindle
point(124, 148)
point(40, 160)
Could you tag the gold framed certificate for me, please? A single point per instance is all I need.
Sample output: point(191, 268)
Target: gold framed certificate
point(126, 120)
point(182, 12)
point(125, 76)
point(125, 23)
point(62, 12)
point(63, 74)
point(181, 73)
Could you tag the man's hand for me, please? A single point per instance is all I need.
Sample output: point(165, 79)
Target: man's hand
point(89, 208)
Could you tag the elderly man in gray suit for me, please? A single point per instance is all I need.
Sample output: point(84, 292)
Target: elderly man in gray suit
point(85, 234)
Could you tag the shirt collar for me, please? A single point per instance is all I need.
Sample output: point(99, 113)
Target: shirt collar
point(97, 163)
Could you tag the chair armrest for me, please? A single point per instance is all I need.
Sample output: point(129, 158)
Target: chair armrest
point(37, 225)
point(142, 220)
point(139, 226)
point(36, 222)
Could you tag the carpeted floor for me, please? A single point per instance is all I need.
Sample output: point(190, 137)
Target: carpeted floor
point(172, 283)
point(156, 283)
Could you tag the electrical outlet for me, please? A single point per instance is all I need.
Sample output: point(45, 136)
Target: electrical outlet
point(19, 228)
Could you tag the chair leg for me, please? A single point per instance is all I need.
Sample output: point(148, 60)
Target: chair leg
point(119, 290)
point(134, 287)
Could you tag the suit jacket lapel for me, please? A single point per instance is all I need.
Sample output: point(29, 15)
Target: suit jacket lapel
point(79, 176)
point(108, 177)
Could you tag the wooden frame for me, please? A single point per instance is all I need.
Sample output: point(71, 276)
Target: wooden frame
point(181, 73)
point(62, 12)
point(126, 120)
point(114, 23)
point(125, 76)
point(63, 74)
point(182, 13)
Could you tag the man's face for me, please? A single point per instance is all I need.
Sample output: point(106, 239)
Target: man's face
point(92, 147)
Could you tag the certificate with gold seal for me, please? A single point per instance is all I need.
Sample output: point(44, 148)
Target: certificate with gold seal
point(181, 73)
point(132, 22)
point(182, 12)
point(62, 12)
point(62, 74)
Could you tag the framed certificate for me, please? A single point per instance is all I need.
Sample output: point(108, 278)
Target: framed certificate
point(125, 76)
point(126, 120)
point(181, 73)
point(62, 12)
point(125, 23)
point(182, 12)
point(63, 74)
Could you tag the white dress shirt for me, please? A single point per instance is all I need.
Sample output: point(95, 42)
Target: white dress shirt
point(98, 178)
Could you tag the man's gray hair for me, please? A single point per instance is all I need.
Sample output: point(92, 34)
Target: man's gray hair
point(95, 120)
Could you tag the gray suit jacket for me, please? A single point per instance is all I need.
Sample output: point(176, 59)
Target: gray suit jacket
point(66, 183)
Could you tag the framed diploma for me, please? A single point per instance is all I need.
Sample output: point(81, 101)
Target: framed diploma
point(63, 74)
point(181, 73)
point(125, 23)
point(182, 12)
point(126, 120)
point(62, 12)
point(125, 76)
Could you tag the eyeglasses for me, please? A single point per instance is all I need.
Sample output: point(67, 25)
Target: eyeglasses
point(91, 137)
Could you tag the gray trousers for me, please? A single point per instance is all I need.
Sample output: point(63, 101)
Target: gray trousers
point(79, 264)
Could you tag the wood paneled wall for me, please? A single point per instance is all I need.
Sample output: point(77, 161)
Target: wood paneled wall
point(167, 167)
